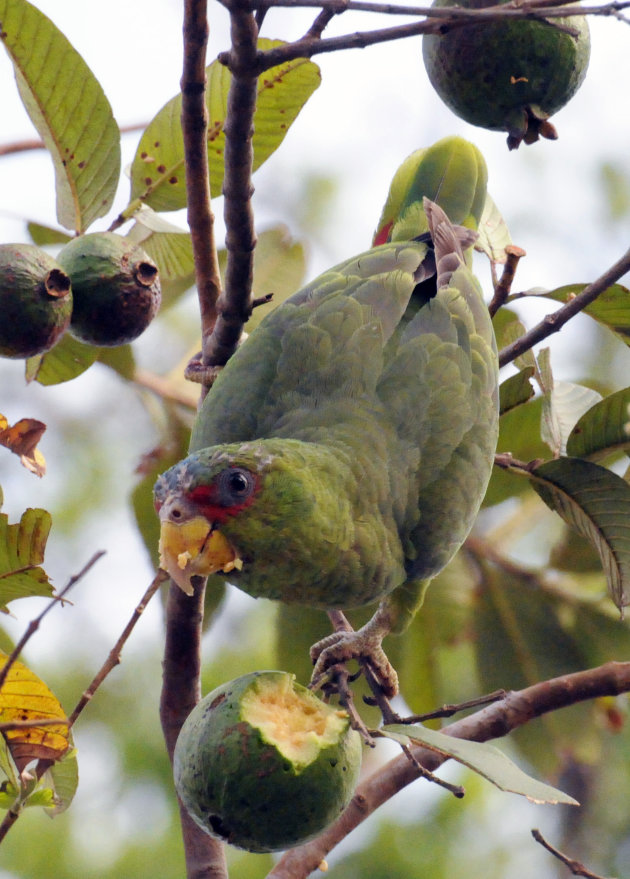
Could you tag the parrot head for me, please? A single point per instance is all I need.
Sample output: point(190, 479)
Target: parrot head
point(249, 509)
point(194, 499)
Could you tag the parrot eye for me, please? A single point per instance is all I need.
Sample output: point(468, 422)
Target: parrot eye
point(235, 486)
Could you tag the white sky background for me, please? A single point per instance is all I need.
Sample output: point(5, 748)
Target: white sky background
point(373, 108)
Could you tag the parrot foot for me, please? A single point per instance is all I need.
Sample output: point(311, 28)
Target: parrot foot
point(363, 645)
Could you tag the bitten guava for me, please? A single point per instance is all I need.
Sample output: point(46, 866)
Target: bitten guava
point(509, 75)
point(35, 301)
point(263, 764)
point(116, 288)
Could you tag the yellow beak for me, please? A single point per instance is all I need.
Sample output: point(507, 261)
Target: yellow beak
point(194, 548)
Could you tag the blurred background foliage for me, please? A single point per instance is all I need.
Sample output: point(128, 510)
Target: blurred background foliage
point(524, 600)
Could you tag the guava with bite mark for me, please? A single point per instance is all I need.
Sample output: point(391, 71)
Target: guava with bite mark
point(263, 764)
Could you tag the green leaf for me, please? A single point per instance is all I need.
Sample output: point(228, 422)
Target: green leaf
point(157, 171)
point(120, 358)
point(21, 554)
point(602, 429)
point(516, 390)
point(66, 361)
point(562, 407)
point(508, 328)
point(44, 236)
point(69, 110)
point(596, 502)
point(611, 308)
point(494, 235)
point(64, 775)
point(485, 759)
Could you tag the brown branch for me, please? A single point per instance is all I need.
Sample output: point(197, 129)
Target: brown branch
point(553, 322)
point(195, 132)
point(235, 304)
point(181, 691)
point(437, 20)
point(574, 866)
point(496, 720)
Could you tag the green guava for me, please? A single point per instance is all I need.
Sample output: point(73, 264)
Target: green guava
point(508, 75)
point(116, 288)
point(35, 301)
point(263, 764)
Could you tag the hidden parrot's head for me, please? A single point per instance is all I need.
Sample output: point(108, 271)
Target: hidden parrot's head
point(194, 499)
point(248, 509)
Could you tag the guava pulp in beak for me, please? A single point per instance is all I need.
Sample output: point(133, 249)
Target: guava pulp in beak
point(194, 548)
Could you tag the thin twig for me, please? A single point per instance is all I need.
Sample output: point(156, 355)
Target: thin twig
point(574, 866)
point(502, 290)
point(34, 625)
point(340, 6)
point(195, 132)
point(437, 20)
point(113, 658)
point(553, 322)
point(23, 146)
point(549, 7)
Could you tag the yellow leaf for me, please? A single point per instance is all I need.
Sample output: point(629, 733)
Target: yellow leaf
point(22, 439)
point(24, 698)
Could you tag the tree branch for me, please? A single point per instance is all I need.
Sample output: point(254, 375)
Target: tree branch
point(195, 132)
point(235, 304)
point(437, 20)
point(551, 323)
point(181, 690)
point(494, 721)
point(577, 868)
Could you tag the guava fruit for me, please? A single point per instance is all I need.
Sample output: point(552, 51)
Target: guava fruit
point(263, 764)
point(508, 75)
point(116, 288)
point(35, 301)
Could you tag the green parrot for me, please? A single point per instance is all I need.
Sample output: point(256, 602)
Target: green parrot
point(343, 452)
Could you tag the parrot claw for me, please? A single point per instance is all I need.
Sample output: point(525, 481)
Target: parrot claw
point(364, 645)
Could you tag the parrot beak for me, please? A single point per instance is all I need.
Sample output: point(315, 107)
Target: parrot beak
point(194, 548)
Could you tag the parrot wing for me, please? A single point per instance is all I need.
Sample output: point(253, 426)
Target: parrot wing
point(448, 414)
point(320, 350)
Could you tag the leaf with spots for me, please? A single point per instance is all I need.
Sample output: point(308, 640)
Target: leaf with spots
point(21, 556)
point(157, 171)
point(25, 698)
point(68, 108)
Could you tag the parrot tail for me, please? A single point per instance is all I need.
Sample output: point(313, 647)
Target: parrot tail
point(449, 242)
